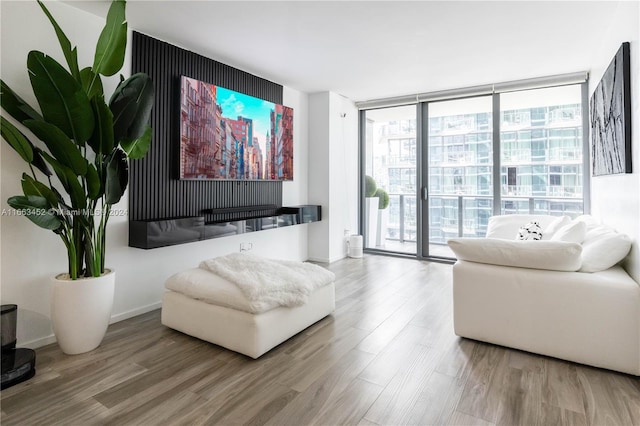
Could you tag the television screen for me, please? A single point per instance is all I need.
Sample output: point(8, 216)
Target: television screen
point(228, 135)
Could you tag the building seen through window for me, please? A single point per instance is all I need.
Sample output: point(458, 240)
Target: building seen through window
point(541, 161)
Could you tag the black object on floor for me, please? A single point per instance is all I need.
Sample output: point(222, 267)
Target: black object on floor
point(8, 320)
point(19, 364)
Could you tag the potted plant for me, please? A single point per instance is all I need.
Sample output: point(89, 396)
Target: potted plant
point(77, 154)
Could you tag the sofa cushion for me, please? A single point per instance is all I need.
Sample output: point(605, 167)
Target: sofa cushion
point(603, 248)
point(554, 226)
point(590, 221)
point(506, 226)
point(574, 232)
point(550, 255)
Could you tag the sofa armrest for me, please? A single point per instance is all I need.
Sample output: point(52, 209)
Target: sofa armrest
point(548, 255)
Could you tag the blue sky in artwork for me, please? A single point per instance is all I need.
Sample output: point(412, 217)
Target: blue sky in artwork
point(235, 104)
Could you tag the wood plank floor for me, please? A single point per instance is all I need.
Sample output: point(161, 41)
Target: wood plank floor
point(387, 356)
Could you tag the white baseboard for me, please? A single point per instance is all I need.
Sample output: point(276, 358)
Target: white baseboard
point(135, 312)
point(38, 343)
point(326, 259)
point(47, 340)
point(319, 259)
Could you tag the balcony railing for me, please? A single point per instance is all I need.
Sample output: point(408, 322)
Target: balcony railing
point(526, 156)
point(565, 154)
point(550, 191)
point(516, 156)
point(452, 215)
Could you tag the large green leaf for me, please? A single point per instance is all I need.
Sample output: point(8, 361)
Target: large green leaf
point(69, 181)
point(117, 176)
point(16, 139)
point(94, 186)
point(131, 105)
point(24, 147)
point(36, 209)
point(70, 54)
point(111, 45)
point(102, 139)
point(91, 83)
point(15, 105)
point(30, 186)
point(62, 100)
point(138, 148)
point(60, 146)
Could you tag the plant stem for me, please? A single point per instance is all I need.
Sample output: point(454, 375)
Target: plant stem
point(73, 260)
point(77, 243)
point(102, 234)
point(33, 172)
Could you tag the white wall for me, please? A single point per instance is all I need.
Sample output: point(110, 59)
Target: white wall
point(343, 163)
point(295, 192)
point(319, 174)
point(615, 199)
point(333, 173)
point(30, 255)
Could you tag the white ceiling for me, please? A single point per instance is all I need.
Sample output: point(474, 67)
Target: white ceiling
point(373, 49)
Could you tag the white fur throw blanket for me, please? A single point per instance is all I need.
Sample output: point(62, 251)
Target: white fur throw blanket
point(269, 281)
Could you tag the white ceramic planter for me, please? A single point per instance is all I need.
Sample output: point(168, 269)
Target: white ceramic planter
point(383, 222)
point(371, 221)
point(81, 310)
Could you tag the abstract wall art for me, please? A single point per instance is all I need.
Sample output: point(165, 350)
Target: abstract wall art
point(610, 117)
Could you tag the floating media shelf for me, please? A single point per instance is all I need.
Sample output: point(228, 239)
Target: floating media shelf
point(149, 234)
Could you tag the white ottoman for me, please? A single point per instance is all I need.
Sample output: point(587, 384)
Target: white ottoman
point(221, 316)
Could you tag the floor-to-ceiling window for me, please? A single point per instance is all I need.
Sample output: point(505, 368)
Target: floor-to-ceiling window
point(460, 165)
point(391, 155)
point(541, 151)
point(450, 164)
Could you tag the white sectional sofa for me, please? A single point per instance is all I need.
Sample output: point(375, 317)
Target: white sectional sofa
point(563, 297)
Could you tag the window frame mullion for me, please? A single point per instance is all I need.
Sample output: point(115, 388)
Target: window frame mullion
point(497, 184)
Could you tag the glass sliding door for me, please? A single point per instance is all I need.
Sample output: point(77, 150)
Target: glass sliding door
point(459, 196)
point(390, 162)
point(449, 165)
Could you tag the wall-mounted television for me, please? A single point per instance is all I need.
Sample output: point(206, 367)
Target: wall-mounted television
point(228, 135)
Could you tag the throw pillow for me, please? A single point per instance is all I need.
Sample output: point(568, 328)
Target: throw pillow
point(603, 251)
point(571, 233)
point(530, 231)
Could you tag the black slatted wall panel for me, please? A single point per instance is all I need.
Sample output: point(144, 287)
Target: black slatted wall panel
point(155, 189)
